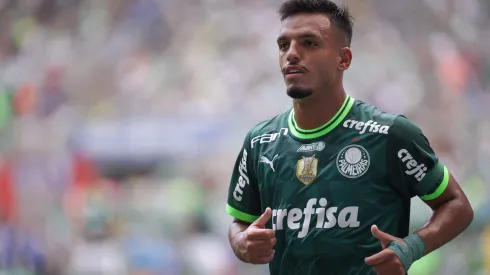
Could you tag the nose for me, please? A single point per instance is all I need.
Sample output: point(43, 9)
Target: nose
point(293, 55)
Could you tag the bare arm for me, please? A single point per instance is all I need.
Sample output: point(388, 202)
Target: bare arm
point(253, 243)
point(236, 228)
point(452, 215)
point(408, 150)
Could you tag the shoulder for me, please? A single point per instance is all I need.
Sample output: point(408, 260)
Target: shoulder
point(391, 124)
point(276, 124)
point(367, 118)
point(404, 129)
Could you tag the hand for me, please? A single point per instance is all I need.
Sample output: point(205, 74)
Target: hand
point(385, 262)
point(256, 243)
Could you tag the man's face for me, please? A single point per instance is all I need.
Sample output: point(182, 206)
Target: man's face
point(308, 53)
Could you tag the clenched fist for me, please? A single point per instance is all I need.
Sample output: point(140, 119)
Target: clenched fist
point(256, 243)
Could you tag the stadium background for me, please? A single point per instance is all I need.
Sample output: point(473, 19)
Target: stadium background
point(120, 121)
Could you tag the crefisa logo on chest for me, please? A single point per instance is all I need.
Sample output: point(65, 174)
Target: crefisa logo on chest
point(353, 161)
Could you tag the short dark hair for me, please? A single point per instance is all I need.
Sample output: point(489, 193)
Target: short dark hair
point(339, 15)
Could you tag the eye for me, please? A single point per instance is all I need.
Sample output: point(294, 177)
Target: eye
point(310, 43)
point(283, 46)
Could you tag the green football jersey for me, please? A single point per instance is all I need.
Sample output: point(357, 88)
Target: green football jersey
point(329, 185)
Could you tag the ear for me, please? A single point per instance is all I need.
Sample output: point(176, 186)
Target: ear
point(344, 58)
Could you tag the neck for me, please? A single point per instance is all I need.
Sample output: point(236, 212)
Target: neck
point(311, 113)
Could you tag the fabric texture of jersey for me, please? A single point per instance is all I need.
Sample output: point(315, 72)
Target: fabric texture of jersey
point(328, 186)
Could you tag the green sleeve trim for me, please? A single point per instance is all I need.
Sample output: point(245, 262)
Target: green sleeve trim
point(431, 181)
point(442, 187)
point(240, 215)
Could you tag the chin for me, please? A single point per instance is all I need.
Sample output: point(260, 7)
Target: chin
point(296, 92)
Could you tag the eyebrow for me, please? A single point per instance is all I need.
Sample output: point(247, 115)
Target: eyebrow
point(307, 35)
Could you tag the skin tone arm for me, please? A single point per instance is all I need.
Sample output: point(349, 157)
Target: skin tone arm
point(253, 243)
point(236, 228)
point(452, 214)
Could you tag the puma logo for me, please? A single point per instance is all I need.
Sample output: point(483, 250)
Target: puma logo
point(265, 160)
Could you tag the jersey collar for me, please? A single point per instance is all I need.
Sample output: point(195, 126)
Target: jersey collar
point(325, 128)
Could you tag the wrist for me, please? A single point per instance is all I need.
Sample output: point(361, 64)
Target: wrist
point(411, 252)
point(238, 244)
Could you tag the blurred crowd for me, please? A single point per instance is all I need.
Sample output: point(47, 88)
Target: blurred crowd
point(120, 121)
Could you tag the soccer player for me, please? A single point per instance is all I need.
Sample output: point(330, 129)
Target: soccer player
point(325, 187)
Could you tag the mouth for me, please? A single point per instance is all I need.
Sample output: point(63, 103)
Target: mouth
point(293, 71)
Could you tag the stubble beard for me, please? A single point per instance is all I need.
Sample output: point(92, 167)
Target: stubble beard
point(298, 92)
